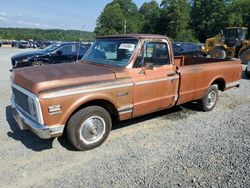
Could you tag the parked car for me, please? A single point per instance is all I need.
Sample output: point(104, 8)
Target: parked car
point(116, 80)
point(53, 54)
point(187, 48)
point(247, 70)
point(22, 44)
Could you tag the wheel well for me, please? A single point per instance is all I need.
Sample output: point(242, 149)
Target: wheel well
point(221, 84)
point(102, 103)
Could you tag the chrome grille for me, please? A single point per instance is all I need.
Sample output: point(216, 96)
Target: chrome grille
point(21, 100)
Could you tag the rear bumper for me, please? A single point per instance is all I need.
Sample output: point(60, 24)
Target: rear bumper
point(25, 122)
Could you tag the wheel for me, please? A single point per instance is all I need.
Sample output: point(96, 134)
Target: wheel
point(245, 56)
point(89, 127)
point(209, 100)
point(218, 53)
point(38, 63)
point(247, 72)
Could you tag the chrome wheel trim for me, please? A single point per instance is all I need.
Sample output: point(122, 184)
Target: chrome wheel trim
point(38, 63)
point(211, 99)
point(92, 129)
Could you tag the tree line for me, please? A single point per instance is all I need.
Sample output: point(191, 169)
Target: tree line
point(45, 34)
point(182, 20)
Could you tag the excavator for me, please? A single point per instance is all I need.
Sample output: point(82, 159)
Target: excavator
point(232, 42)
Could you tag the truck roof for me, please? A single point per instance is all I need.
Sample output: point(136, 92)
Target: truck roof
point(136, 36)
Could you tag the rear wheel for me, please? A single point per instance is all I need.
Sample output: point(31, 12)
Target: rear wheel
point(38, 63)
point(218, 53)
point(89, 127)
point(209, 100)
point(245, 56)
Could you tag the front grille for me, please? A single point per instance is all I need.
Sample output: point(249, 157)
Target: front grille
point(13, 62)
point(21, 100)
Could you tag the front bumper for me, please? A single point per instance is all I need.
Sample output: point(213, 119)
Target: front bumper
point(25, 122)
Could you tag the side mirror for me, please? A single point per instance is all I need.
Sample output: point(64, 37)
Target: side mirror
point(149, 66)
point(59, 52)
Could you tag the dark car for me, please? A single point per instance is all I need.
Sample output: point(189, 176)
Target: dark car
point(53, 54)
point(187, 48)
point(22, 44)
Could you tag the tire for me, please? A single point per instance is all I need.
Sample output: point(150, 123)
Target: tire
point(89, 128)
point(209, 100)
point(218, 53)
point(247, 72)
point(245, 56)
point(38, 63)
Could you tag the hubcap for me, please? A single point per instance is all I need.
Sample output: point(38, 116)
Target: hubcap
point(92, 129)
point(211, 99)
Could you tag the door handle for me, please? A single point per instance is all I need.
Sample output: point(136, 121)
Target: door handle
point(171, 74)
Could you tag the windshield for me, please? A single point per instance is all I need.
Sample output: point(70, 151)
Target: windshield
point(51, 48)
point(115, 52)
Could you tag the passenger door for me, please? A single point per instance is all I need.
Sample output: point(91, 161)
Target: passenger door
point(157, 88)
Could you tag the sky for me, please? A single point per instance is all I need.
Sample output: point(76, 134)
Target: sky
point(51, 14)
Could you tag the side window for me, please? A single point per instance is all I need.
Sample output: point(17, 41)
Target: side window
point(69, 49)
point(156, 53)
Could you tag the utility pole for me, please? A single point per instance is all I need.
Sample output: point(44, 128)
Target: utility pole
point(125, 26)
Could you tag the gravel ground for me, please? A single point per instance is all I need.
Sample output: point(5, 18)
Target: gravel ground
point(181, 147)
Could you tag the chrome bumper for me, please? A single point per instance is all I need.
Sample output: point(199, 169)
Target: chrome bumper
point(25, 122)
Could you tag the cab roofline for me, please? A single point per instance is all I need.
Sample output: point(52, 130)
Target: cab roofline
point(135, 36)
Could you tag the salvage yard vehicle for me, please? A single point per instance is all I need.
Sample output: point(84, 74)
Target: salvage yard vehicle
point(233, 42)
point(53, 54)
point(188, 48)
point(120, 77)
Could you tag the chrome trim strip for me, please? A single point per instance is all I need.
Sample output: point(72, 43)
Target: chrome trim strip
point(157, 80)
point(68, 92)
point(125, 109)
point(37, 103)
point(25, 122)
point(232, 84)
point(125, 112)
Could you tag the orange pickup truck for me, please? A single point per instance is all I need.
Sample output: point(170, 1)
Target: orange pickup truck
point(119, 77)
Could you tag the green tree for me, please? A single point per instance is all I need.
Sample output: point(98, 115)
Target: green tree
point(239, 13)
point(151, 13)
point(174, 20)
point(208, 17)
point(131, 14)
point(111, 21)
point(119, 16)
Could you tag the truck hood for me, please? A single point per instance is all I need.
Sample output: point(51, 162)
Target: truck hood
point(43, 78)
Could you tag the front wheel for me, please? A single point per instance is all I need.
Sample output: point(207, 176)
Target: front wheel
point(89, 127)
point(209, 100)
point(38, 63)
point(245, 56)
point(218, 53)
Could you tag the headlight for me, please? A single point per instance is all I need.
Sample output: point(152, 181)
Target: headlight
point(33, 108)
point(25, 60)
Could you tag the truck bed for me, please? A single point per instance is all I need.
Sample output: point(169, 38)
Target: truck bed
point(203, 72)
point(190, 60)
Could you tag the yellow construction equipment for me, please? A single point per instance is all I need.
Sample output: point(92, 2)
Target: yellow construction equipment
point(231, 43)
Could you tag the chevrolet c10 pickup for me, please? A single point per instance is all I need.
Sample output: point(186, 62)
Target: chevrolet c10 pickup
point(119, 78)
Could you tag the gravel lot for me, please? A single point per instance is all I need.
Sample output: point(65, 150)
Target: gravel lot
point(181, 147)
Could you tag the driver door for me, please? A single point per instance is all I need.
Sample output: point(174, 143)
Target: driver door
point(155, 88)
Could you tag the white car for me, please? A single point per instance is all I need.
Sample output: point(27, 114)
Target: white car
point(247, 71)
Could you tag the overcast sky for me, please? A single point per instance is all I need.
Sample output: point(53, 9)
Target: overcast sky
point(48, 14)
